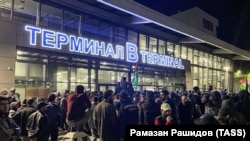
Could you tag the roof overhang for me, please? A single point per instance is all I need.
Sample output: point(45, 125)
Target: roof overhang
point(143, 14)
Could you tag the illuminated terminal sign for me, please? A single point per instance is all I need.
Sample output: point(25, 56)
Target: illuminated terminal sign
point(129, 52)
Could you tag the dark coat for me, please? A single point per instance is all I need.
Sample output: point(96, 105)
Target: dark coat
point(21, 118)
point(105, 121)
point(38, 126)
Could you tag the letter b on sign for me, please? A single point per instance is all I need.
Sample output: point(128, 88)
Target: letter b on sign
point(132, 52)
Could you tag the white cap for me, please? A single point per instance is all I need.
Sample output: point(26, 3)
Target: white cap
point(165, 107)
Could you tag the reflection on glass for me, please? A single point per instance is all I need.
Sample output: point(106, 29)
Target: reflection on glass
point(110, 77)
point(120, 35)
point(148, 80)
point(79, 75)
point(51, 17)
point(132, 37)
point(23, 11)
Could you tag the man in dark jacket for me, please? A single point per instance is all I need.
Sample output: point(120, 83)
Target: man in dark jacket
point(165, 98)
point(128, 113)
point(8, 128)
point(21, 117)
point(37, 124)
point(105, 118)
point(54, 114)
point(237, 117)
point(150, 109)
point(244, 104)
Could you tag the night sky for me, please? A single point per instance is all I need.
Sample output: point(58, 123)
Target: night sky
point(233, 16)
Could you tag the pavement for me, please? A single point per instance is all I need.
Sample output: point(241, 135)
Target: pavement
point(62, 134)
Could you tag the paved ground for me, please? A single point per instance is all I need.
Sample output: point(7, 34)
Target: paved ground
point(63, 133)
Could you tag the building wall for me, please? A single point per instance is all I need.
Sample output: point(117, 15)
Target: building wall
point(194, 18)
point(205, 65)
point(7, 54)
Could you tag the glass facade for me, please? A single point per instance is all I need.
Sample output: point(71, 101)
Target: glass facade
point(59, 72)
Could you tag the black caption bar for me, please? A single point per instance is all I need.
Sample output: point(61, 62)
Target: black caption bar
point(195, 132)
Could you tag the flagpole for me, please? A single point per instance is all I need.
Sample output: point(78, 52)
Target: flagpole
point(136, 76)
point(246, 84)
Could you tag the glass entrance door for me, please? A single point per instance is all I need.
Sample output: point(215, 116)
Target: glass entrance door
point(104, 87)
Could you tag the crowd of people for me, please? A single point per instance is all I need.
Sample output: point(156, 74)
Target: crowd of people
point(104, 115)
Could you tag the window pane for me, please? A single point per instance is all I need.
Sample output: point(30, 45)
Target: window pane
point(132, 37)
point(183, 52)
point(110, 77)
point(62, 74)
point(170, 48)
point(215, 78)
point(21, 75)
point(215, 62)
point(152, 44)
point(195, 73)
point(162, 47)
point(5, 10)
point(142, 42)
point(36, 72)
point(105, 32)
point(79, 75)
point(51, 17)
point(177, 51)
point(120, 35)
point(190, 55)
point(201, 83)
point(219, 65)
point(93, 80)
point(196, 56)
point(210, 60)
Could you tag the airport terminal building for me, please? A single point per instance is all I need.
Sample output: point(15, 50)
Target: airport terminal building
point(59, 43)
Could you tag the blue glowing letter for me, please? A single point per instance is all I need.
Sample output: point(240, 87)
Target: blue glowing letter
point(132, 55)
point(156, 58)
point(48, 36)
point(99, 48)
point(33, 31)
point(119, 52)
point(62, 39)
point(110, 51)
point(150, 58)
point(143, 55)
point(162, 60)
point(75, 44)
point(171, 61)
point(89, 46)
